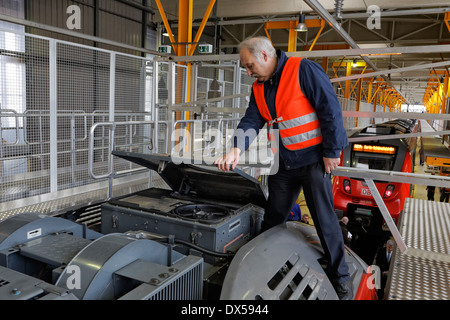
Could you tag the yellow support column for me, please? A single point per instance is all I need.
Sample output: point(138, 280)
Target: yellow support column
point(369, 90)
point(348, 83)
point(185, 10)
point(325, 64)
point(375, 99)
point(385, 97)
point(445, 94)
point(185, 14)
point(292, 36)
point(447, 19)
point(358, 98)
point(322, 25)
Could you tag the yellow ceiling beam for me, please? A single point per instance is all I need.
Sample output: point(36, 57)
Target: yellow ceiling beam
point(166, 24)
point(202, 26)
point(447, 19)
point(290, 25)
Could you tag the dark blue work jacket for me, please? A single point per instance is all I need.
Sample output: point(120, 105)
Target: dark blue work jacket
point(316, 86)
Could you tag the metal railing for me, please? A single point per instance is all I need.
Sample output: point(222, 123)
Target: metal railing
point(211, 133)
point(369, 176)
point(25, 151)
point(146, 131)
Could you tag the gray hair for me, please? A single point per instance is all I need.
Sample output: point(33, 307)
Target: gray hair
point(256, 45)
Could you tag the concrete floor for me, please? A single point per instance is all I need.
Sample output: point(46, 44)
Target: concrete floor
point(419, 191)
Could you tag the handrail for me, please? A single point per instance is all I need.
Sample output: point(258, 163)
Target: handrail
point(74, 114)
point(393, 176)
point(220, 125)
point(110, 174)
point(9, 113)
point(370, 176)
point(113, 126)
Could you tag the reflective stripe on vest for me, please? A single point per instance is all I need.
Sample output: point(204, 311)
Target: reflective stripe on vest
point(297, 119)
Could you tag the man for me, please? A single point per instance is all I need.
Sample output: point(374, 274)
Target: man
point(296, 213)
point(305, 219)
point(430, 191)
point(383, 260)
point(445, 194)
point(345, 233)
point(295, 97)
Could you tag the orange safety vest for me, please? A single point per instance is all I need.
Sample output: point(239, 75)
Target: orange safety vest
point(297, 119)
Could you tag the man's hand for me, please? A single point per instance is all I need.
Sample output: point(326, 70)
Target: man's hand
point(331, 164)
point(230, 159)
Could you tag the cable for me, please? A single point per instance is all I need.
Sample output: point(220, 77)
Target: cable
point(196, 247)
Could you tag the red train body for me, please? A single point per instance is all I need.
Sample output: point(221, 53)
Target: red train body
point(352, 197)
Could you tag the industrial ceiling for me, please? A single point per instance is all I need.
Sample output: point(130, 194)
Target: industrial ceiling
point(415, 24)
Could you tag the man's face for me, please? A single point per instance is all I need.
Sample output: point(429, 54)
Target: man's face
point(260, 70)
point(389, 247)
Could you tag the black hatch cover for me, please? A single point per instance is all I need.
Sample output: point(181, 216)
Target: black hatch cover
point(203, 181)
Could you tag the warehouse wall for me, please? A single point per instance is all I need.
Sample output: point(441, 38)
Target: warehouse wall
point(45, 73)
point(111, 20)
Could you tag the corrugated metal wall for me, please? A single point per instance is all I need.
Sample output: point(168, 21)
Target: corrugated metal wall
point(52, 92)
point(111, 20)
point(13, 8)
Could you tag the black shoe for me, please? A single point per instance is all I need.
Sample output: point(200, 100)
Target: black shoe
point(344, 290)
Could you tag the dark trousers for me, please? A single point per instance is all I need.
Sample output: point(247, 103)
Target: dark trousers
point(430, 192)
point(284, 189)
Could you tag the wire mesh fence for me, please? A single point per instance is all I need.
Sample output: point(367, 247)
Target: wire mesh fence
point(52, 93)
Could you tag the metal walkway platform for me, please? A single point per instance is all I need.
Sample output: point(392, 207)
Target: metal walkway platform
point(71, 199)
point(422, 272)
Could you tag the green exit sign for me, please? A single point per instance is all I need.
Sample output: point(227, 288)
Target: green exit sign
point(165, 49)
point(205, 48)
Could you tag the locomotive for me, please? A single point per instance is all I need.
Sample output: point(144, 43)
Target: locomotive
point(352, 197)
point(198, 238)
